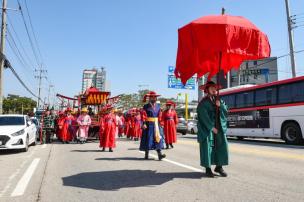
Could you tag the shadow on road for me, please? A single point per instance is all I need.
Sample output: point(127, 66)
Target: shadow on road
point(133, 149)
point(118, 179)
point(121, 159)
point(90, 150)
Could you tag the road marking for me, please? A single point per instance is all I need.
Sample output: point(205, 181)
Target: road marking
point(44, 146)
point(258, 152)
point(176, 163)
point(23, 182)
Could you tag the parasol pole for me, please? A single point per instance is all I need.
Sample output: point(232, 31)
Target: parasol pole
point(217, 115)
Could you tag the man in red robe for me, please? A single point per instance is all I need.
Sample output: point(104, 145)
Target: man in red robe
point(60, 122)
point(108, 129)
point(67, 131)
point(128, 124)
point(170, 121)
point(137, 125)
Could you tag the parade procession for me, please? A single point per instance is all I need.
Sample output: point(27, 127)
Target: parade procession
point(148, 101)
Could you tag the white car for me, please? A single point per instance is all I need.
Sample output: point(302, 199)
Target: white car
point(192, 126)
point(17, 132)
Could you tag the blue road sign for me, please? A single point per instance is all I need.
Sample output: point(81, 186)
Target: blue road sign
point(176, 83)
point(171, 69)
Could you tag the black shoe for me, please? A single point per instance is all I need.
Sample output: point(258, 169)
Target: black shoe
point(161, 156)
point(209, 173)
point(220, 170)
point(110, 150)
point(146, 155)
point(103, 149)
point(167, 146)
point(171, 146)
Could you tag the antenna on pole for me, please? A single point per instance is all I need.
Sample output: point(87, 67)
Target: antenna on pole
point(223, 11)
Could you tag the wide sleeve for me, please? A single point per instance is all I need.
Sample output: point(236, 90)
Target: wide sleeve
point(223, 116)
point(101, 124)
point(175, 118)
point(79, 120)
point(160, 118)
point(144, 116)
point(205, 120)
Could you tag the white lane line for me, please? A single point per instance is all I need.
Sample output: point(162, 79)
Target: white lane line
point(44, 146)
point(176, 163)
point(23, 182)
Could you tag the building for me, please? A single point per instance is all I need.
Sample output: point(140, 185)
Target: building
point(252, 72)
point(94, 77)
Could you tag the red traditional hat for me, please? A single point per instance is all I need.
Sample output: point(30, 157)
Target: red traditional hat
point(150, 94)
point(209, 84)
point(106, 108)
point(170, 102)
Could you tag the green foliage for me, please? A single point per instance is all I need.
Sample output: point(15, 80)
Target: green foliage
point(14, 104)
point(128, 101)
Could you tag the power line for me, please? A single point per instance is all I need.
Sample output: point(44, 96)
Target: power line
point(18, 58)
point(18, 51)
point(18, 39)
point(28, 34)
point(35, 38)
point(8, 65)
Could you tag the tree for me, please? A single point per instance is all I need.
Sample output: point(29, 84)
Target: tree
point(128, 101)
point(18, 105)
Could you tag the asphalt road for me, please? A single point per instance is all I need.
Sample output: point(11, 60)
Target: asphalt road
point(258, 171)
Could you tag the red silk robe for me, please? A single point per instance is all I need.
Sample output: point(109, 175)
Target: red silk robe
point(170, 120)
point(60, 123)
point(136, 129)
point(107, 131)
point(128, 125)
point(67, 132)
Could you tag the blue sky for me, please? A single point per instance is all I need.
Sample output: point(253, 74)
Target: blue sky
point(136, 40)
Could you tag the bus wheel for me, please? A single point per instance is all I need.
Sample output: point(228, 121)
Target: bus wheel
point(291, 133)
point(239, 138)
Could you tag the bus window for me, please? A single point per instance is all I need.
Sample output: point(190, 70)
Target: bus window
point(298, 92)
point(244, 99)
point(229, 100)
point(285, 92)
point(265, 96)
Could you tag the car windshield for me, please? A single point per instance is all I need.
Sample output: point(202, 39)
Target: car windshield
point(11, 121)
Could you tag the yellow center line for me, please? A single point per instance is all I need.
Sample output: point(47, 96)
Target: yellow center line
point(258, 152)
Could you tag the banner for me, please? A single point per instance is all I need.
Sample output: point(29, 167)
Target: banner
point(95, 98)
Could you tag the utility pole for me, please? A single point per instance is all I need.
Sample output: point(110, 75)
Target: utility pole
point(39, 77)
point(290, 34)
point(3, 33)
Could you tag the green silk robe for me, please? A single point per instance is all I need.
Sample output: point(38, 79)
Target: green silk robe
point(211, 154)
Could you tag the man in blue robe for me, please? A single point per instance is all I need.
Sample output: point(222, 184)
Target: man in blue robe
point(152, 135)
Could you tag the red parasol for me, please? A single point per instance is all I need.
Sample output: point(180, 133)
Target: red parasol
point(216, 42)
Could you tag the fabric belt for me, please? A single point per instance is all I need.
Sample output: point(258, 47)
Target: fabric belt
point(156, 128)
point(169, 119)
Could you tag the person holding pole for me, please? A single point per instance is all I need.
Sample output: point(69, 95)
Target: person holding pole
point(211, 132)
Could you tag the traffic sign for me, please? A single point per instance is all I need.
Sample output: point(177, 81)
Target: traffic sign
point(171, 69)
point(176, 83)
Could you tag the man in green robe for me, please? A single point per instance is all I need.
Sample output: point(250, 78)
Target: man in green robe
point(212, 139)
